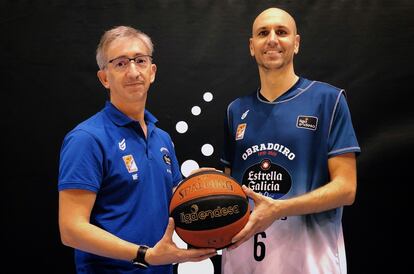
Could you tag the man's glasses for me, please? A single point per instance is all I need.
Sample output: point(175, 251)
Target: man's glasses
point(121, 63)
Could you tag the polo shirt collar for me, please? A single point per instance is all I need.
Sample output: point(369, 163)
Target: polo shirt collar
point(120, 119)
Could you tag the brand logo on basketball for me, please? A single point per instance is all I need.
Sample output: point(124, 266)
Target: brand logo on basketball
point(209, 208)
point(201, 185)
point(218, 212)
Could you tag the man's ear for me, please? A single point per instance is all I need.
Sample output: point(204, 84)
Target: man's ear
point(103, 78)
point(251, 47)
point(297, 43)
point(153, 72)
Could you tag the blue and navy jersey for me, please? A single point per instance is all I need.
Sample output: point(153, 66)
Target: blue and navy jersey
point(281, 149)
point(133, 177)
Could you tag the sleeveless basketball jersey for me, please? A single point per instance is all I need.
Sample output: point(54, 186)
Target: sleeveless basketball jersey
point(281, 150)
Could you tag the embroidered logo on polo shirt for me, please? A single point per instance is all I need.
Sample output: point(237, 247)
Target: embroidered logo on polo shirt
point(122, 145)
point(240, 131)
point(167, 159)
point(307, 122)
point(163, 149)
point(130, 163)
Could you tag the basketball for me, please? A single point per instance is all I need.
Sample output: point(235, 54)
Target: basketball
point(209, 208)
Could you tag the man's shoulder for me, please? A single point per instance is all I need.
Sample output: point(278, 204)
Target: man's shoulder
point(243, 100)
point(324, 87)
point(164, 134)
point(95, 122)
point(94, 125)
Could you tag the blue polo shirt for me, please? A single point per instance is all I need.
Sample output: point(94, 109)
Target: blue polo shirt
point(133, 177)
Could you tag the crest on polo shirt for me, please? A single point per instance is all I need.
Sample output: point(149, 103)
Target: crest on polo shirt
point(130, 163)
point(167, 159)
point(166, 155)
point(241, 128)
point(122, 145)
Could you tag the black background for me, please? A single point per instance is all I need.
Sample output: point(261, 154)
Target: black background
point(49, 84)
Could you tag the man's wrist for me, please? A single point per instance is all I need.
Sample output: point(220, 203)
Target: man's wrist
point(148, 256)
point(139, 260)
point(276, 210)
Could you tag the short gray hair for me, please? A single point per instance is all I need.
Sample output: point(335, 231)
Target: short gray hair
point(119, 32)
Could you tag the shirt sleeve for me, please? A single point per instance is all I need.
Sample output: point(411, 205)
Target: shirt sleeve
point(227, 153)
point(342, 138)
point(175, 167)
point(80, 165)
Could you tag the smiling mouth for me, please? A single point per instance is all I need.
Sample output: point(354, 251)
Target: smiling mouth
point(273, 52)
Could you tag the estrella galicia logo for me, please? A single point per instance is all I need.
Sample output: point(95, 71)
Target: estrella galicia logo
point(268, 179)
point(308, 122)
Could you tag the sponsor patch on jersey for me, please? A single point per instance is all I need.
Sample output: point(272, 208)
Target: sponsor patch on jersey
point(268, 178)
point(241, 128)
point(271, 149)
point(130, 163)
point(308, 122)
point(122, 145)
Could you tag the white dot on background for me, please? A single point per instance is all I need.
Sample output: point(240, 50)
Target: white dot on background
point(188, 166)
point(181, 127)
point(207, 149)
point(203, 267)
point(196, 110)
point(208, 96)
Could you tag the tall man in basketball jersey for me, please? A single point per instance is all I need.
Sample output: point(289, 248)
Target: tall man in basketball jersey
point(292, 145)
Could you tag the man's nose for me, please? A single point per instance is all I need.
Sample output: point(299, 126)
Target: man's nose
point(133, 69)
point(272, 38)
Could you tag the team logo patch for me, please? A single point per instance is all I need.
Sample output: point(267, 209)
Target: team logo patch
point(130, 163)
point(122, 145)
point(308, 122)
point(240, 131)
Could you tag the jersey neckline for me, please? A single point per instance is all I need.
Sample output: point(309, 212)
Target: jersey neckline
point(301, 85)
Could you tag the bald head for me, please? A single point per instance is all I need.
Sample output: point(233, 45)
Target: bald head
point(274, 41)
point(274, 16)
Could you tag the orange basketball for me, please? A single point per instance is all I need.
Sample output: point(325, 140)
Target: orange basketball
point(209, 208)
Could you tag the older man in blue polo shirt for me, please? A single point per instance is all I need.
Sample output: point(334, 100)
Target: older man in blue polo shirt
point(117, 171)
